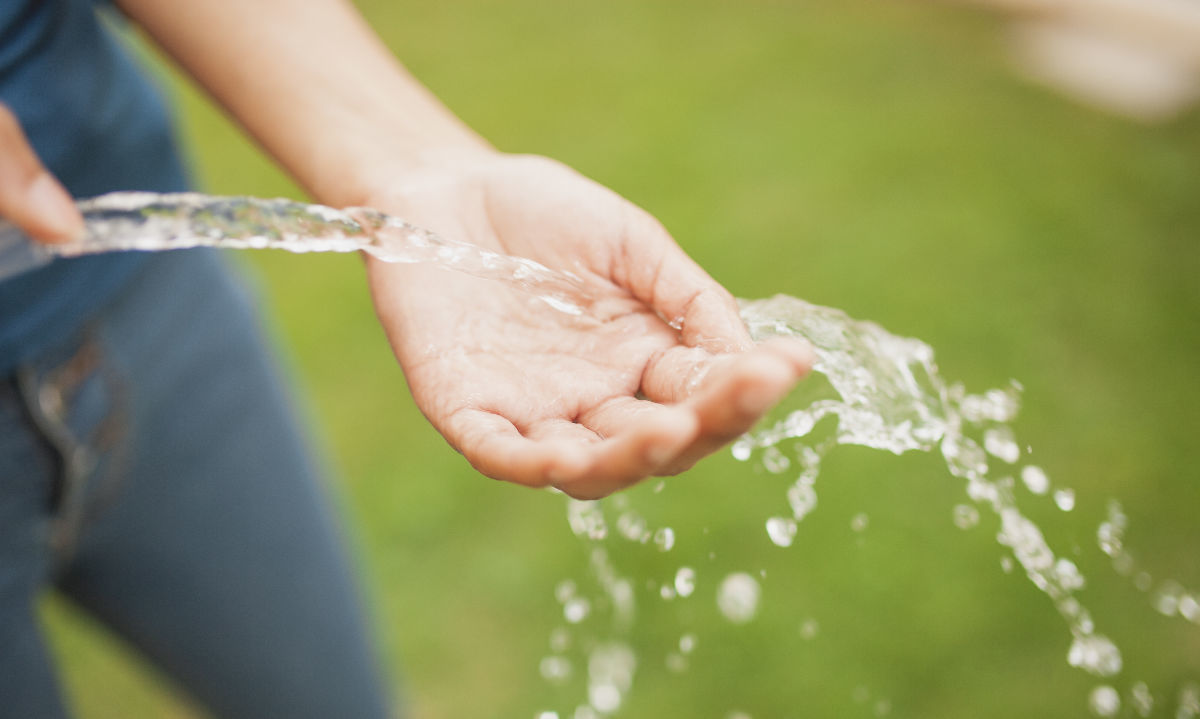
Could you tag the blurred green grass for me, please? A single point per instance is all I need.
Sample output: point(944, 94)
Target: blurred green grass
point(879, 157)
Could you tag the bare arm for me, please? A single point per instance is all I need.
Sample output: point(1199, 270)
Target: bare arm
point(526, 394)
point(313, 84)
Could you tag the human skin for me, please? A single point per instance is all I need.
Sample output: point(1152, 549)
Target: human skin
point(659, 373)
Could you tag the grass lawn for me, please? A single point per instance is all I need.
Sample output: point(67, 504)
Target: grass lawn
point(879, 157)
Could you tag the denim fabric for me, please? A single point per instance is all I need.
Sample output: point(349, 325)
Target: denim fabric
point(150, 470)
point(99, 124)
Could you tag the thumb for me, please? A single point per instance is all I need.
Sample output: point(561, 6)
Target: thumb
point(30, 197)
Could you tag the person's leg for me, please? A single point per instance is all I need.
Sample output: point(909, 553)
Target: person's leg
point(214, 550)
point(28, 687)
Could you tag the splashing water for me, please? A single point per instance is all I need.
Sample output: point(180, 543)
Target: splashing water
point(886, 393)
point(151, 221)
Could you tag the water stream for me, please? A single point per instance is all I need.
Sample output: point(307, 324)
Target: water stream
point(148, 221)
point(869, 388)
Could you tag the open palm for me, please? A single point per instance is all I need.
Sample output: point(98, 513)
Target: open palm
point(537, 396)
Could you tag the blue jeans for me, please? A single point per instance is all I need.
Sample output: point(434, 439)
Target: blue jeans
point(152, 472)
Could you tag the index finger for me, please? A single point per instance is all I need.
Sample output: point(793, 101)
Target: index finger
point(30, 197)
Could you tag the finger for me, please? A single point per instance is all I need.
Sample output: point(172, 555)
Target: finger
point(660, 274)
point(641, 439)
point(30, 197)
point(561, 429)
point(739, 391)
point(658, 428)
point(494, 446)
point(678, 373)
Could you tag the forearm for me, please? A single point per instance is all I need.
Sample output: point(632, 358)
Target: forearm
point(313, 84)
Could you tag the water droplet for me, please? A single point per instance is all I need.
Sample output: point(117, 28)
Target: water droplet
point(1065, 499)
point(586, 519)
point(809, 629)
point(547, 715)
point(1000, 443)
point(1035, 479)
point(685, 581)
point(1110, 533)
point(1108, 539)
point(1104, 701)
point(1189, 607)
point(1068, 575)
point(1095, 654)
point(687, 643)
point(555, 669)
point(564, 591)
point(1189, 701)
point(576, 610)
point(1026, 540)
point(560, 640)
point(1141, 699)
point(610, 674)
point(965, 516)
point(1006, 563)
point(604, 697)
point(1143, 581)
point(802, 498)
point(1167, 599)
point(781, 530)
point(775, 461)
point(584, 711)
point(995, 405)
point(676, 663)
point(737, 597)
point(741, 450)
point(738, 715)
point(981, 490)
point(667, 592)
point(859, 522)
point(964, 458)
point(664, 539)
point(659, 486)
point(632, 526)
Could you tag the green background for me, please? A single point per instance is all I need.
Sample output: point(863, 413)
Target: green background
point(879, 157)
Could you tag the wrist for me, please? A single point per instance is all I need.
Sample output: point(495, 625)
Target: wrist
point(403, 173)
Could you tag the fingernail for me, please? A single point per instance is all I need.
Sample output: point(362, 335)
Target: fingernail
point(53, 208)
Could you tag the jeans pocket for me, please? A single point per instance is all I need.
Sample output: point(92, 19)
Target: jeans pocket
point(78, 403)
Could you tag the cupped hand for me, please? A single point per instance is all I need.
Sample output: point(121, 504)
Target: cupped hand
point(30, 197)
point(658, 372)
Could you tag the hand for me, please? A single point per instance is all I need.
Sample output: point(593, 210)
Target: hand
point(535, 396)
point(30, 197)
